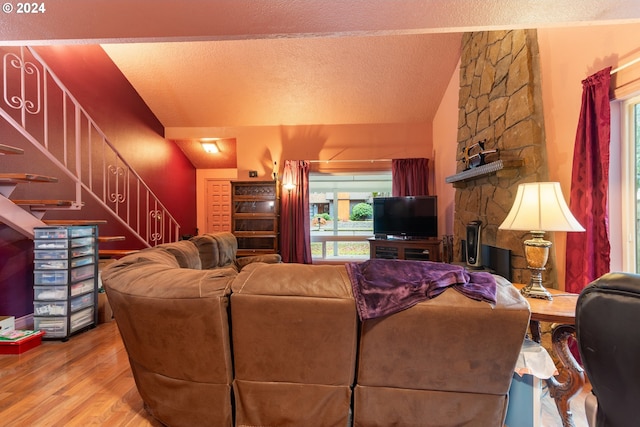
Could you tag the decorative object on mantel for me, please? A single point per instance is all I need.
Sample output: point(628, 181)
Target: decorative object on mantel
point(539, 207)
point(473, 155)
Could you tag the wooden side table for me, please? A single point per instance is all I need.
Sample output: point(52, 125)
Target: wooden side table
point(561, 311)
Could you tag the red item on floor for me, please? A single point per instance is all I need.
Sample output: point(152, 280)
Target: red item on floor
point(21, 345)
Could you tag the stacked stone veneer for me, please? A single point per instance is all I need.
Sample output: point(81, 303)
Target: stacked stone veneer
point(500, 101)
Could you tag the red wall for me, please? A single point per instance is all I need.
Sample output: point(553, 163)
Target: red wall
point(129, 125)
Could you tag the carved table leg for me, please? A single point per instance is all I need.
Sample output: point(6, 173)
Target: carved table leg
point(563, 392)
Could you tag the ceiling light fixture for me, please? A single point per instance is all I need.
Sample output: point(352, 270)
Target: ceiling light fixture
point(210, 146)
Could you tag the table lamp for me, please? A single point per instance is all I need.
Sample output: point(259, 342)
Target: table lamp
point(539, 207)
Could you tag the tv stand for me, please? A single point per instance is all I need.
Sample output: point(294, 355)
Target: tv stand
point(407, 249)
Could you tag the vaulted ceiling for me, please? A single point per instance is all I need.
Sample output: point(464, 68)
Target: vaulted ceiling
point(235, 63)
point(289, 62)
point(292, 81)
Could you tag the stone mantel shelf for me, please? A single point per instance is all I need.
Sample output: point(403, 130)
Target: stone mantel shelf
point(484, 170)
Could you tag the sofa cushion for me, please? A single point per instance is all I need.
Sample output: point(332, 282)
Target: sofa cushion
point(148, 255)
point(208, 250)
point(449, 359)
point(285, 279)
point(183, 403)
point(242, 262)
point(227, 248)
point(162, 311)
point(290, 404)
point(294, 332)
point(482, 344)
point(282, 314)
point(389, 406)
point(185, 252)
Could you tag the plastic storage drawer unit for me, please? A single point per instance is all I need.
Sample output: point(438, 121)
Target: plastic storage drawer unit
point(65, 279)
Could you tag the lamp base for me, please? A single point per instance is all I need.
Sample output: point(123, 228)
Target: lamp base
point(531, 292)
point(535, 289)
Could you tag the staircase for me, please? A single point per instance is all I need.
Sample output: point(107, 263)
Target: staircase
point(12, 214)
point(24, 215)
point(50, 119)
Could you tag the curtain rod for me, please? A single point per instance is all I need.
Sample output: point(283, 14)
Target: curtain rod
point(349, 161)
point(622, 67)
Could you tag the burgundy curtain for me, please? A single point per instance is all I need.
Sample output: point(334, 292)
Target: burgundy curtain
point(410, 177)
point(295, 241)
point(588, 253)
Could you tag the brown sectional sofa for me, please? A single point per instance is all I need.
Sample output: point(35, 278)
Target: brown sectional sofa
point(215, 341)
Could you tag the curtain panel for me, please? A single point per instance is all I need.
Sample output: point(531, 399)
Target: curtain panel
point(295, 240)
point(410, 177)
point(588, 253)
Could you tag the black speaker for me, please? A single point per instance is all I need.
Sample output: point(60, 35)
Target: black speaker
point(474, 244)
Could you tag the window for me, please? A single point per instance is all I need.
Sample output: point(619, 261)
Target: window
point(631, 178)
point(340, 208)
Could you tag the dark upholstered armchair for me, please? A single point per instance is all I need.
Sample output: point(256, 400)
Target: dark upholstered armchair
point(607, 319)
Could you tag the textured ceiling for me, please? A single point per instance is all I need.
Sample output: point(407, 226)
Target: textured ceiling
point(288, 81)
point(291, 62)
point(292, 81)
point(235, 63)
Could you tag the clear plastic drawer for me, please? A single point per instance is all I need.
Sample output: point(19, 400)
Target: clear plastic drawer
point(49, 308)
point(82, 287)
point(51, 254)
point(44, 293)
point(82, 241)
point(50, 277)
point(82, 251)
point(50, 244)
point(81, 319)
point(83, 301)
point(50, 233)
point(52, 326)
point(82, 273)
point(80, 231)
point(79, 262)
point(50, 264)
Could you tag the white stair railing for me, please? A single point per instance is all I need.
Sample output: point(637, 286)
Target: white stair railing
point(36, 103)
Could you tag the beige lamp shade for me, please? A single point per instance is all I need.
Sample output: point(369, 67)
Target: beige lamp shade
point(540, 206)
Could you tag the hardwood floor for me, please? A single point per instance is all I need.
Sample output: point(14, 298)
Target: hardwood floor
point(87, 381)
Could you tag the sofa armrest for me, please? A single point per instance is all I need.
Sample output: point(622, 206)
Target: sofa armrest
point(267, 258)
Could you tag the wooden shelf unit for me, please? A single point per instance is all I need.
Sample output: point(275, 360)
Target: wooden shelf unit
point(255, 215)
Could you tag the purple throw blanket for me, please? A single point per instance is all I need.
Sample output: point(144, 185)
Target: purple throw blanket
point(385, 286)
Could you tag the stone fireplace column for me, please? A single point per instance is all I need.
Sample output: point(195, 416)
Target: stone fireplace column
point(500, 102)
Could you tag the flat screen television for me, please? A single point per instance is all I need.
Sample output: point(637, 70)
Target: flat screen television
point(405, 217)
